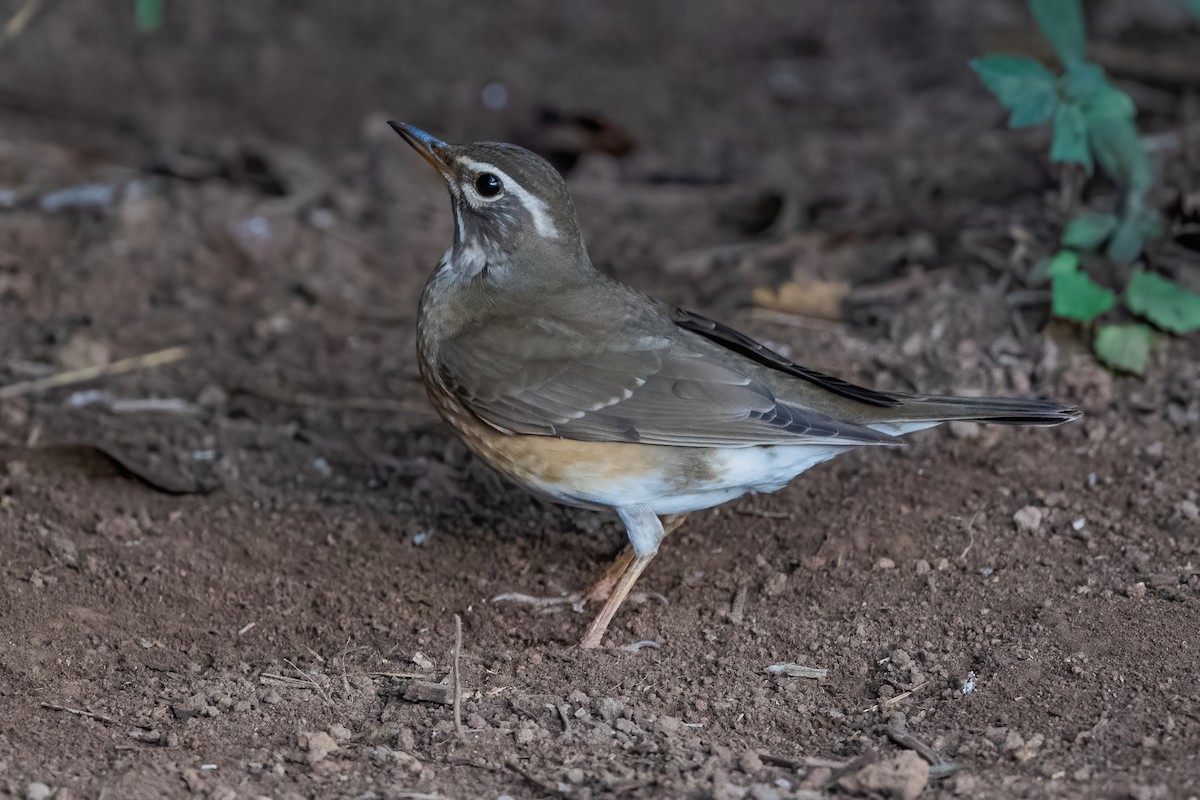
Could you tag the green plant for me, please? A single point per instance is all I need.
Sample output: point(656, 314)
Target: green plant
point(1093, 124)
point(148, 14)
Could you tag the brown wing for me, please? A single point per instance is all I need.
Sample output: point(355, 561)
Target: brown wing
point(742, 344)
point(550, 377)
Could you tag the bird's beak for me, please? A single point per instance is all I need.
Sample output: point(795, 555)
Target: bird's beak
point(431, 148)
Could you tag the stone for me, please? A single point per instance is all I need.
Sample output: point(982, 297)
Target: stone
point(38, 791)
point(1028, 519)
point(317, 746)
point(903, 777)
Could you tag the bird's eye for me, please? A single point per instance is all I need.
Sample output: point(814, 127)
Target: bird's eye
point(488, 185)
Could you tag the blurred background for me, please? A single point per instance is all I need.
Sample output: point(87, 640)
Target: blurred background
point(831, 177)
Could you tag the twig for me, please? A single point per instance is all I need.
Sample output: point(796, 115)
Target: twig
point(458, 724)
point(892, 290)
point(798, 671)
point(409, 675)
point(81, 713)
point(275, 679)
point(907, 740)
point(853, 765)
point(20, 20)
point(737, 612)
point(320, 689)
point(795, 320)
point(562, 714)
point(807, 762)
point(987, 255)
point(891, 701)
point(71, 377)
point(970, 535)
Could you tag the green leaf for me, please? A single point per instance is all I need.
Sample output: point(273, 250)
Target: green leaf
point(148, 14)
point(1070, 142)
point(1107, 102)
point(1165, 303)
point(1125, 347)
point(1064, 263)
point(1128, 240)
point(1076, 296)
point(1082, 83)
point(1061, 22)
point(1089, 230)
point(1022, 85)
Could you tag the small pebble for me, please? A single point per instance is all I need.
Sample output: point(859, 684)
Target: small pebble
point(885, 563)
point(37, 791)
point(750, 762)
point(1028, 519)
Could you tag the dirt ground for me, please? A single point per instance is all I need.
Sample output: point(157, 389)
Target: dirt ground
point(236, 575)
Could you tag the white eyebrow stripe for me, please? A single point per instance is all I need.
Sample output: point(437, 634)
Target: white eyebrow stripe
point(534, 205)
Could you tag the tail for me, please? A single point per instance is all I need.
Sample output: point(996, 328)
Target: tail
point(999, 410)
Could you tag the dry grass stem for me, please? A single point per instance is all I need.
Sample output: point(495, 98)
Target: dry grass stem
point(81, 713)
point(458, 724)
point(71, 377)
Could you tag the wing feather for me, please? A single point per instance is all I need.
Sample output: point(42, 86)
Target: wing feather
point(625, 385)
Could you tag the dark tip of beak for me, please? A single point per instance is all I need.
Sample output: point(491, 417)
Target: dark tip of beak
point(431, 148)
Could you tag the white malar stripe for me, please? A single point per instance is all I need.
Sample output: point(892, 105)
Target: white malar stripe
point(534, 205)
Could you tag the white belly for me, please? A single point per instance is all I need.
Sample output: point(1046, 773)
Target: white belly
point(734, 472)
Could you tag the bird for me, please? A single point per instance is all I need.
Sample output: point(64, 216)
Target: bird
point(588, 392)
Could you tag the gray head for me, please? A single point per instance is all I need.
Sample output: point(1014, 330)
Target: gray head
point(510, 206)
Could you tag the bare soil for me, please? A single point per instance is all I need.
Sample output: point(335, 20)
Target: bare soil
point(236, 575)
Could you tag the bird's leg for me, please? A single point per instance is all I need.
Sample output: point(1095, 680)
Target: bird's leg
point(645, 532)
point(603, 586)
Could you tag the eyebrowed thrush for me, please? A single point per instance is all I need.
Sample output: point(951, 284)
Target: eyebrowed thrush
point(588, 392)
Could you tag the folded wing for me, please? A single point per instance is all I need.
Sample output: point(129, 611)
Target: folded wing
point(551, 377)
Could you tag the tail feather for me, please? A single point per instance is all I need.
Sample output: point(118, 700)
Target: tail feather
point(999, 410)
